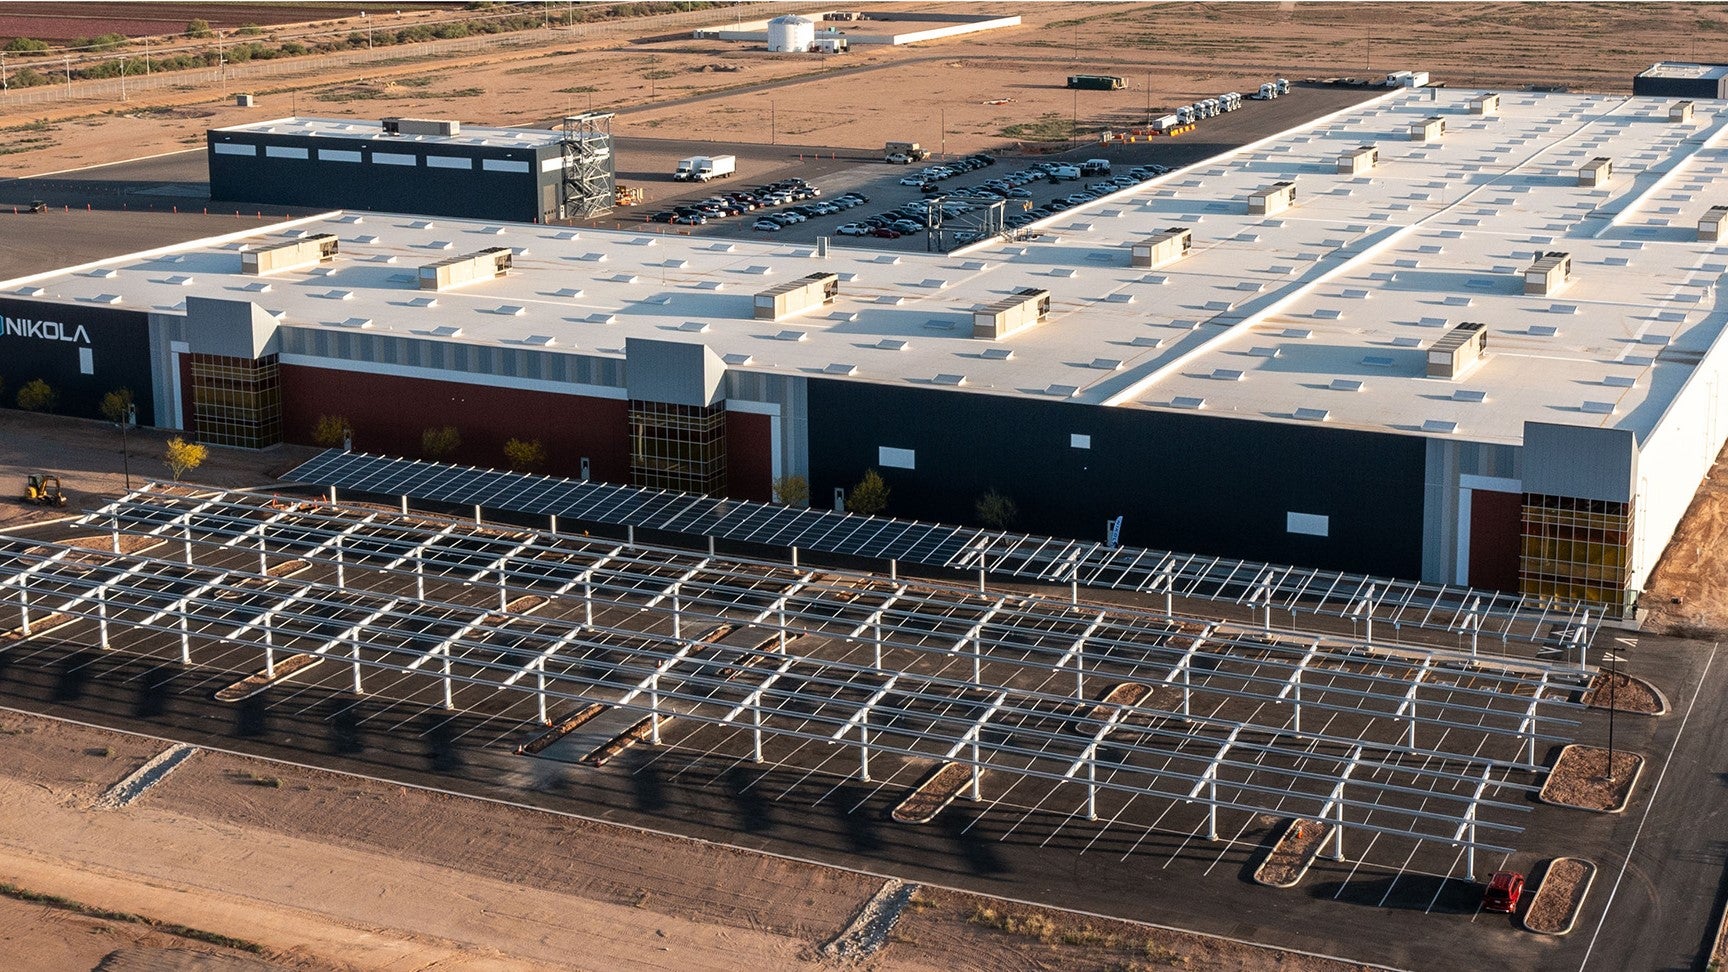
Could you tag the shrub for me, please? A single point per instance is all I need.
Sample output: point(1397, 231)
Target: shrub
point(37, 396)
point(792, 491)
point(524, 455)
point(182, 457)
point(870, 496)
point(330, 431)
point(199, 28)
point(116, 404)
point(996, 511)
point(438, 443)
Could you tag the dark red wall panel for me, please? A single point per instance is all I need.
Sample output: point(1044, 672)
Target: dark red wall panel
point(750, 456)
point(1496, 521)
point(389, 412)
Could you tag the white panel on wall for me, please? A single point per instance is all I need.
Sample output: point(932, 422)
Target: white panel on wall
point(553, 164)
point(449, 162)
point(229, 148)
point(392, 158)
point(1080, 441)
point(286, 152)
point(338, 155)
point(897, 458)
point(503, 165)
point(1312, 524)
point(86, 362)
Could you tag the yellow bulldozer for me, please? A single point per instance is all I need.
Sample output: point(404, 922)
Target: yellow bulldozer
point(44, 490)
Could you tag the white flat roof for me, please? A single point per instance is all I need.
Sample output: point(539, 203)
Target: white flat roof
point(1321, 313)
point(365, 128)
point(1684, 69)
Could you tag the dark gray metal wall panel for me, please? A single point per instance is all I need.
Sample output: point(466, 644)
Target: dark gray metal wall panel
point(40, 339)
point(1183, 482)
point(1584, 463)
point(1653, 87)
point(473, 193)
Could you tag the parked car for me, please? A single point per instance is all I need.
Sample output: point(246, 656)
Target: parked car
point(907, 226)
point(886, 233)
point(852, 229)
point(1504, 890)
point(766, 225)
point(912, 180)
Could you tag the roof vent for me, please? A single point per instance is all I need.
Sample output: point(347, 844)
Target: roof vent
point(1166, 247)
point(1024, 308)
point(1313, 414)
point(420, 126)
point(290, 255)
point(1548, 275)
point(1458, 351)
point(1346, 384)
point(797, 296)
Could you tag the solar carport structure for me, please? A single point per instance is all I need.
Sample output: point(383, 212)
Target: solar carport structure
point(784, 664)
point(1394, 604)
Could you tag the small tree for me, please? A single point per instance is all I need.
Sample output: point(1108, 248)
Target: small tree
point(870, 496)
point(330, 431)
point(182, 457)
point(117, 405)
point(438, 443)
point(525, 456)
point(792, 491)
point(198, 28)
point(37, 396)
point(996, 511)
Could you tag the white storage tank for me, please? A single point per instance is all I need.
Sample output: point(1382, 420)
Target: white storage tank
point(791, 33)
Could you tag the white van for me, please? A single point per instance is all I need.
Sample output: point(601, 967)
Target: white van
point(1093, 167)
point(1069, 172)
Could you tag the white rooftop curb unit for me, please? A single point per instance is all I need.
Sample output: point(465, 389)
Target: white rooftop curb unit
point(1459, 351)
point(1026, 308)
point(460, 270)
point(1486, 104)
point(1548, 275)
point(292, 255)
point(1272, 200)
point(1358, 161)
point(797, 296)
point(1710, 224)
point(1680, 113)
point(1167, 247)
point(1598, 171)
point(1428, 129)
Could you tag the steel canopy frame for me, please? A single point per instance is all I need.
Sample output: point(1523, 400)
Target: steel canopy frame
point(1397, 603)
point(1038, 730)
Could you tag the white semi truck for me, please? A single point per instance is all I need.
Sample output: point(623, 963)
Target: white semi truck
point(716, 167)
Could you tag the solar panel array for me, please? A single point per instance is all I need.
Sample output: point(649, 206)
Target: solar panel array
point(1398, 604)
point(1428, 747)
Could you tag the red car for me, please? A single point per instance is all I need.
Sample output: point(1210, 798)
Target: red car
point(1504, 890)
point(885, 233)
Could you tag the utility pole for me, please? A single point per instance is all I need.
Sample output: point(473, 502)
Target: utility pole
point(122, 79)
point(68, 75)
point(126, 422)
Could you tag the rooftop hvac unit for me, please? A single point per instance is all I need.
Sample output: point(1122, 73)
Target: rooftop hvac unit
point(1428, 129)
point(289, 255)
point(797, 296)
point(1488, 104)
point(1273, 199)
point(1680, 112)
point(1458, 351)
point(460, 270)
point(1548, 274)
point(1022, 309)
point(421, 126)
point(1169, 246)
point(1598, 171)
point(1710, 224)
point(1358, 161)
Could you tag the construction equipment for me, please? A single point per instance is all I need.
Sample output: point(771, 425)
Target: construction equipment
point(38, 206)
point(627, 195)
point(44, 490)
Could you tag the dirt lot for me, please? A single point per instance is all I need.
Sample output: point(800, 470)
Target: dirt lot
point(315, 870)
point(962, 94)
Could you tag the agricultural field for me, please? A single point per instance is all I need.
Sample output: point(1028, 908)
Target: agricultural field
point(57, 23)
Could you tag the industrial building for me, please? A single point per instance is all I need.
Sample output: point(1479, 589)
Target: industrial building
point(1458, 364)
point(1682, 79)
point(434, 167)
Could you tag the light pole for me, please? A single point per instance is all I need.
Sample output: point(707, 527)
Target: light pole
point(4, 84)
point(122, 79)
point(129, 420)
point(68, 75)
point(368, 22)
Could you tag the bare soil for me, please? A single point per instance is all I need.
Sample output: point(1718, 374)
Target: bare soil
point(1687, 594)
point(1623, 693)
point(1580, 779)
point(1289, 857)
point(1558, 899)
point(993, 934)
point(935, 792)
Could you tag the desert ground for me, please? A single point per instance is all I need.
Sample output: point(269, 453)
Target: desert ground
point(290, 867)
point(957, 95)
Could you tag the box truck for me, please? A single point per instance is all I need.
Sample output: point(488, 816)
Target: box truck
point(687, 168)
point(715, 167)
